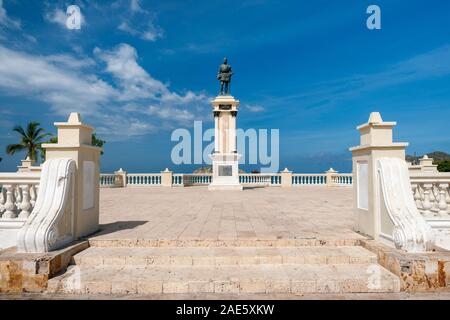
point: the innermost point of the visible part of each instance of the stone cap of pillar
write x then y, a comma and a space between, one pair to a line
377, 134
331, 170
286, 170
26, 164
426, 164
225, 103
73, 134
426, 161
120, 171
166, 171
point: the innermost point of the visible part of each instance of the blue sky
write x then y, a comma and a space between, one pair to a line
308, 68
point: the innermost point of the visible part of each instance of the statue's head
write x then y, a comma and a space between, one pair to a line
225, 61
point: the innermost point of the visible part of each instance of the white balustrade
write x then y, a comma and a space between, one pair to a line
197, 179
177, 180
18, 194
248, 179
107, 180
256, 179
143, 179
432, 194
308, 179
342, 179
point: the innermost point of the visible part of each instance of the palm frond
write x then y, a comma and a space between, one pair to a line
13, 148
31, 129
41, 137
20, 130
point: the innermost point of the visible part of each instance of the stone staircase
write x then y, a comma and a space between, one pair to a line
231, 270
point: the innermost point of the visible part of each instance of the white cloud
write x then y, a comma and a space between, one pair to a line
134, 104
6, 21
135, 6
70, 61
254, 107
63, 88
59, 16
137, 21
135, 82
150, 32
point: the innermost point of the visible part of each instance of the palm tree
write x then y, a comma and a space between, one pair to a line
31, 140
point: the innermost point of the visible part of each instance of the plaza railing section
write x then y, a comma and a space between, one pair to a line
18, 195
123, 179
19, 191
432, 196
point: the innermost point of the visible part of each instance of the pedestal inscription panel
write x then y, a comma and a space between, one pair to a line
363, 185
88, 184
225, 171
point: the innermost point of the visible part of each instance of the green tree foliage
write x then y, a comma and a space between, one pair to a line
444, 166
31, 139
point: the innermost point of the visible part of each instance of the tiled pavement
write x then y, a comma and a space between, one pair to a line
194, 213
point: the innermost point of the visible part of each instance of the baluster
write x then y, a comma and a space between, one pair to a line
442, 201
435, 197
417, 196
18, 197
447, 197
427, 205
25, 204
2, 200
10, 205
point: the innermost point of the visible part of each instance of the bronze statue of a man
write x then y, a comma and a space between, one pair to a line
224, 75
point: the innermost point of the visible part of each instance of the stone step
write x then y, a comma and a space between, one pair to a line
299, 242
254, 279
188, 256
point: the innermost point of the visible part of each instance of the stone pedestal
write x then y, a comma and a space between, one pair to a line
375, 143
26, 165
166, 178
120, 178
426, 165
75, 142
329, 174
225, 159
286, 178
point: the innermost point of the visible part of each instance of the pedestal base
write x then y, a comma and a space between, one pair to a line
225, 172
236, 187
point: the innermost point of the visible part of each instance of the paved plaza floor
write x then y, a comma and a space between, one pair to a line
194, 213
